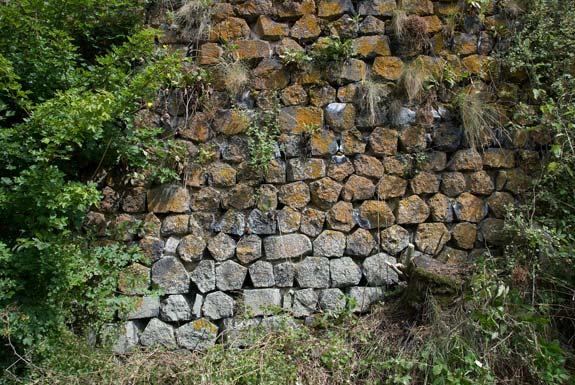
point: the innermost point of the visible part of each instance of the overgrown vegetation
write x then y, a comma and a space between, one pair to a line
263, 133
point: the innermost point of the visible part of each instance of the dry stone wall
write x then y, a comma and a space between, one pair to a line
351, 186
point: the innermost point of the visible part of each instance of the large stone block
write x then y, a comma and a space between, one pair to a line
168, 199
344, 272
258, 302
171, 276
313, 272
287, 246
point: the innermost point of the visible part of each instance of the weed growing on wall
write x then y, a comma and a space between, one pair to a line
263, 133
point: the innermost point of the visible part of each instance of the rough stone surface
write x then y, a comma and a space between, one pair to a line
313, 272
329, 244
230, 276
431, 237
412, 210
324, 192
344, 272
391, 186
158, 333
260, 222
222, 247
394, 239
340, 217
287, 246
375, 214
262, 274
146, 307
171, 276
365, 297
168, 199
176, 308
296, 195
464, 235
304, 302
288, 220
359, 243
249, 249
197, 335
378, 272
218, 305
332, 300
441, 208
358, 188
312, 222
204, 276
259, 302
284, 274
469, 208
191, 248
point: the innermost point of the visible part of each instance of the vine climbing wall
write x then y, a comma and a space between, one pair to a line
327, 138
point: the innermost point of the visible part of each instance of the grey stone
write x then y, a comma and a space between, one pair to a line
313, 272
171, 276
360, 243
222, 247
262, 274
146, 307
332, 300
344, 272
197, 309
191, 248
284, 274
312, 222
230, 276
176, 308
175, 225
249, 249
125, 338
405, 117
260, 222
241, 333
197, 335
259, 302
304, 303
364, 297
287, 246
377, 271
329, 244
171, 246
232, 222
394, 239
152, 248
218, 305
204, 276
158, 333
168, 199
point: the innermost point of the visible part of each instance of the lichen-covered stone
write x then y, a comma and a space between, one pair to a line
481, 183
134, 201
340, 167
262, 274
441, 208
284, 274
296, 119
306, 28
249, 249
388, 67
377, 7
268, 29
207, 199
151, 248
351, 70
452, 256
171, 276
324, 192
368, 166
431, 237
465, 44
175, 225
367, 47
210, 53
323, 143
375, 214
434, 161
397, 165
295, 195
332, 300
492, 232
312, 221
171, 246
360, 243
158, 333
134, 279
168, 199
204, 276
340, 217
383, 141
288, 220
352, 142
348, 93
145, 307
453, 183
425, 183
340, 116
221, 175
191, 248
251, 49
270, 74
176, 308
287, 246
197, 335
260, 222
391, 186
394, 239
331, 9
499, 203
469, 208
322, 96
344, 272
218, 305
231, 28
377, 270
358, 188
313, 272
412, 210
329, 244
240, 197
464, 235
466, 160
258, 302
305, 169
222, 247
365, 297
276, 172
498, 158
413, 139
232, 222
230, 276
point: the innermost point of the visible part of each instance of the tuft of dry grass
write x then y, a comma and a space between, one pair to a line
236, 76
195, 19
372, 93
398, 19
413, 79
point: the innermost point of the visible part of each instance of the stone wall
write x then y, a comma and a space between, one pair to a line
351, 185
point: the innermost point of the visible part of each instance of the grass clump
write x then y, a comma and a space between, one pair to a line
414, 77
372, 93
195, 19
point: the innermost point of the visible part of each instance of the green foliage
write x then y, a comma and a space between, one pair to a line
330, 50
295, 58
263, 133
